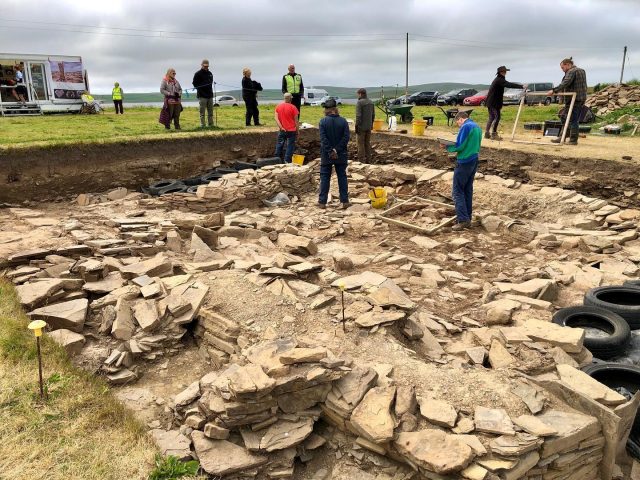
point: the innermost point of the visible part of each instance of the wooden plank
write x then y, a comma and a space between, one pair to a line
566, 124
515, 124
444, 223
400, 223
574, 232
395, 207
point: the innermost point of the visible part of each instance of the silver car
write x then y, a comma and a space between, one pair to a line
225, 100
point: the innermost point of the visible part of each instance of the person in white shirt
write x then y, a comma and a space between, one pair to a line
20, 92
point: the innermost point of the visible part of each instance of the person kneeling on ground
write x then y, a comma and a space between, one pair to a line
88, 99
334, 138
467, 147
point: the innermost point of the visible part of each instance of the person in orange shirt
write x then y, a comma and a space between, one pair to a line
286, 116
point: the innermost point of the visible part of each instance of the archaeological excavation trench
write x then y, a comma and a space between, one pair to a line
220, 320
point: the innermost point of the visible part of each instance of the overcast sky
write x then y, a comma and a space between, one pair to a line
347, 43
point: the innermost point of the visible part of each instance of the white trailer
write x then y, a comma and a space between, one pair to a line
54, 83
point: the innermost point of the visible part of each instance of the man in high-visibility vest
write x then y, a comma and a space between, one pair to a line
116, 96
292, 83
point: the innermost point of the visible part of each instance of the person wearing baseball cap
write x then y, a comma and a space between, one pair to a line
334, 138
494, 101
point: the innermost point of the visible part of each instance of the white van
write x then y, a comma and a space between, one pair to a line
313, 95
54, 83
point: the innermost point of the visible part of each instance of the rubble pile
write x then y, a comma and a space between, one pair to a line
470, 305
238, 190
264, 410
614, 97
265, 404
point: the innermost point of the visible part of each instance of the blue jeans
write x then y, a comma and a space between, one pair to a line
574, 121
462, 192
325, 181
290, 139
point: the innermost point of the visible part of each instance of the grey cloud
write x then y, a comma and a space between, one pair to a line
473, 38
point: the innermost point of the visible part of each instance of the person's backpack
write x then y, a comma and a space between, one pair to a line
586, 114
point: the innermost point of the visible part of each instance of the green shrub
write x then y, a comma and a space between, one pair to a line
169, 468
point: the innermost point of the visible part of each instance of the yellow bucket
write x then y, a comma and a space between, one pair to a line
418, 127
378, 196
378, 124
297, 159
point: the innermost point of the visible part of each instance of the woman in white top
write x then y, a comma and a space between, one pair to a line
20, 92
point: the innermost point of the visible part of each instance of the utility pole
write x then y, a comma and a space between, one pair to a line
624, 57
406, 78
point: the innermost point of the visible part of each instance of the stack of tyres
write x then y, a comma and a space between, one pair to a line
262, 162
607, 334
166, 186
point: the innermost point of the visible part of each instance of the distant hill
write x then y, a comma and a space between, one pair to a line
343, 92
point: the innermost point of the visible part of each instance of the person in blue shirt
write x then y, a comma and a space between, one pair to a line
334, 138
467, 148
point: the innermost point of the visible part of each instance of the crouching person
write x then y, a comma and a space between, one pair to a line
334, 137
467, 147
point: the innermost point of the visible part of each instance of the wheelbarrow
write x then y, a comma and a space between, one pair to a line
403, 110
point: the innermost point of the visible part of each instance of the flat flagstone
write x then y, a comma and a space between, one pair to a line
67, 315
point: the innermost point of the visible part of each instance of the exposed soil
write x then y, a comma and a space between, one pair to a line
63, 172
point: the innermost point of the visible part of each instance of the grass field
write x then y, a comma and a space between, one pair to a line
137, 123
80, 431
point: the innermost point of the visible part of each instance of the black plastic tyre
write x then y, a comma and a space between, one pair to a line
632, 283
547, 102
154, 188
192, 189
605, 347
615, 375
210, 177
625, 301
584, 128
191, 181
177, 187
224, 171
244, 166
262, 162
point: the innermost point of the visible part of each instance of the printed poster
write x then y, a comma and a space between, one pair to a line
68, 79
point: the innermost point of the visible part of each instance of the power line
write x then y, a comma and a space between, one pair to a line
273, 37
162, 35
482, 44
169, 33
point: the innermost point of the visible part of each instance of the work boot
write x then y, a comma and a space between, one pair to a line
555, 140
487, 135
345, 205
461, 226
573, 136
322, 205
495, 136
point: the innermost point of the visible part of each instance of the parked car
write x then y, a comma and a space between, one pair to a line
512, 96
423, 98
479, 98
456, 97
312, 95
540, 87
398, 101
225, 100
322, 101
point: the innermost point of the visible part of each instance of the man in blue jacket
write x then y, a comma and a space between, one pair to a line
467, 147
334, 138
